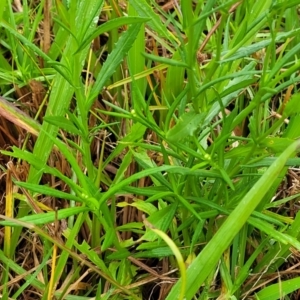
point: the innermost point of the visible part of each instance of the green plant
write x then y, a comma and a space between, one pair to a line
203, 119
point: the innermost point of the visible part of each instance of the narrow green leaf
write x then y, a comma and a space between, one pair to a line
62, 89
179, 170
167, 61
148, 208
49, 217
85, 249
109, 239
46, 190
62, 123
108, 26
144, 10
142, 158
56, 65
67, 152
63, 13
159, 252
22, 272
161, 219
113, 60
126, 161
293, 106
272, 232
135, 59
31, 278
283, 5
282, 61
248, 50
38, 164
276, 144
267, 161
186, 126
203, 265
279, 290
136, 133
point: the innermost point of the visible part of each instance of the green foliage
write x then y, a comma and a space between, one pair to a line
169, 150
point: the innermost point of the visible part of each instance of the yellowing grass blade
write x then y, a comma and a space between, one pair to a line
16, 116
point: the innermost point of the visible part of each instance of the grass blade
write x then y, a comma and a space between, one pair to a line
209, 257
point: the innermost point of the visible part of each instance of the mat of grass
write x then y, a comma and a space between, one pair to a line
149, 149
